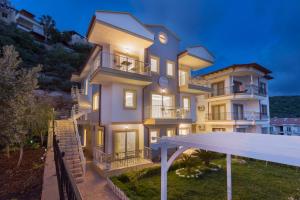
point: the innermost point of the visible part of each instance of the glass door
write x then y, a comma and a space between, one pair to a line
125, 144
162, 106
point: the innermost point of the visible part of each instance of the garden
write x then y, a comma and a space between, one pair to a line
202, 175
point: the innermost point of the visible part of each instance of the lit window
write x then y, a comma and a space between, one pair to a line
154, 62
83, 141
153, 135
86, 86
129, 99
96, 101
184, 131
186, 103
170, 68
171, 132
182, 77
99, 138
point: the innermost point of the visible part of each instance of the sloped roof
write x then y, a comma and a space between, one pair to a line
285, 121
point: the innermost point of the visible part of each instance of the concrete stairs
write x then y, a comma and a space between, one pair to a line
65, 133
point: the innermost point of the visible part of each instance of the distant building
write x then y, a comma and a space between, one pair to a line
7, 12
76, 38
285, 126
27, 22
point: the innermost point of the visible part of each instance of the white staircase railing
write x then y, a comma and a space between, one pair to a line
82, 158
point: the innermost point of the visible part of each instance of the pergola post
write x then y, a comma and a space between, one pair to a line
164, 171
229, 181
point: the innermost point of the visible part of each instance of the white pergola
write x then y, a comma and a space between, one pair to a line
273, 148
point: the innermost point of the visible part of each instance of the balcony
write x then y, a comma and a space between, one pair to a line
248, 91
240, 116
193, 85
114, 68
166, 115
119, 160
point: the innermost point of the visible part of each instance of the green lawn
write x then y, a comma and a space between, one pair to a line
253, 180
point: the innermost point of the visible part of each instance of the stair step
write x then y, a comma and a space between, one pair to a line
79, 180
76, 175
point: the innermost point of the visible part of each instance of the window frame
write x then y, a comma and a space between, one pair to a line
171, 129
97, 138
157, 135
158, 64
173, 68
189, 106
134, 107
95, 107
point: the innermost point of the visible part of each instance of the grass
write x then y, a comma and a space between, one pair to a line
254, 181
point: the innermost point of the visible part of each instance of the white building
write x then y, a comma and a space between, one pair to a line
136, 86
7, 12
285, 126
238, 101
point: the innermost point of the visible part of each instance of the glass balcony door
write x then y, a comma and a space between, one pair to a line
182, 78
125, 144
162, 106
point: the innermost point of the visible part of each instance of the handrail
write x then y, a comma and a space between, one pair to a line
247, 116
82, 158
238, 90
167, 112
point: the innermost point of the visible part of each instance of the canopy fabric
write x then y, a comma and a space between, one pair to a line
273, 148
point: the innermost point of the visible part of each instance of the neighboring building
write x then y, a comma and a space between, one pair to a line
7, 12
285, 126
76, 38
26, 21
238, 101
137, 87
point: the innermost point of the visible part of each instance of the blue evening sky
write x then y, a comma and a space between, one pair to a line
235, 31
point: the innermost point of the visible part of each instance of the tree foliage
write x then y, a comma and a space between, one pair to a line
205, 156
48, 24
285, 106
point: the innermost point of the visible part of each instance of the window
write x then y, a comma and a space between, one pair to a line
218, 112
218, 129
130, 99
153, 133
125, 143
238, 112
264, 130
184, 131
289, 129
186, 102
86, 86
218, 88
154, 62
241, 130
170, 69
262, 88
182, 77
171, 132
99, 138
264, 111
96, 101
162, 106
83, 138
5, 15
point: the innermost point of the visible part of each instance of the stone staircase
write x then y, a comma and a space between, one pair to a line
65, 133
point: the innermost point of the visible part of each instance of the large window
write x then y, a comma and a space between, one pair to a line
186, 102
170, 68
182, 77
96, 101
154, 63
184, 131
171, 132
238, 112
153, 135
162, 106
262, 88
219, 112
125, 143
218, 88
130, 99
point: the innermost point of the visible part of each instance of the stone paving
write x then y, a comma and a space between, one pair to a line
94, 186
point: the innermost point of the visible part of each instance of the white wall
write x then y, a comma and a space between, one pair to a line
193, 104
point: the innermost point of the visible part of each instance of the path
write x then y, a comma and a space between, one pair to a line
94, 186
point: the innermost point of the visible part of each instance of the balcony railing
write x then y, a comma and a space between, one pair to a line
246, 116
167, 112
238, 90
121, 159
184, 80
122, 63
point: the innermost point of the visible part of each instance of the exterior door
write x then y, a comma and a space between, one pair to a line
238, 111
162, 106
125, 144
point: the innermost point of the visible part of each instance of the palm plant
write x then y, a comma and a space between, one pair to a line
187, 161
205, 156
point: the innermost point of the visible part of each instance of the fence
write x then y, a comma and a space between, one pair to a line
66, 184
117, 191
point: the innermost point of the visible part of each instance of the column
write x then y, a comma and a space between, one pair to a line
164, 172
229, 181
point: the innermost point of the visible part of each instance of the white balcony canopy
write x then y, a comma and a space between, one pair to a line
196, 57
273, 148
121, 29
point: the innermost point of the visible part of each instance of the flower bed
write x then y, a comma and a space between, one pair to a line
196, 172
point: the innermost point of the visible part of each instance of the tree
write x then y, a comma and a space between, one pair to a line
16, 98
48, 24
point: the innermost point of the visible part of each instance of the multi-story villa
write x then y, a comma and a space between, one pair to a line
238, 101
136, 87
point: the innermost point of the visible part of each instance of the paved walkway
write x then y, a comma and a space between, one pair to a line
94, 186
50, 186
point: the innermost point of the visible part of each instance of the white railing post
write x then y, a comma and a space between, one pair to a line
229, 181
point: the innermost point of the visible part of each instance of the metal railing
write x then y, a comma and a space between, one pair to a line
167, 112
76, 92
247, 116
122, 63
238, 90
184, 80
79, 144
66, 183
121, 159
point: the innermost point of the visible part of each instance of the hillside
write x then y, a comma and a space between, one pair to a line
285, 106
58, 61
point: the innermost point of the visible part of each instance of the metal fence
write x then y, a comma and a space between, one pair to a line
66, 183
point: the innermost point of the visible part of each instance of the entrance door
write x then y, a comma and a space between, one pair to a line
219, 112
125, 144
